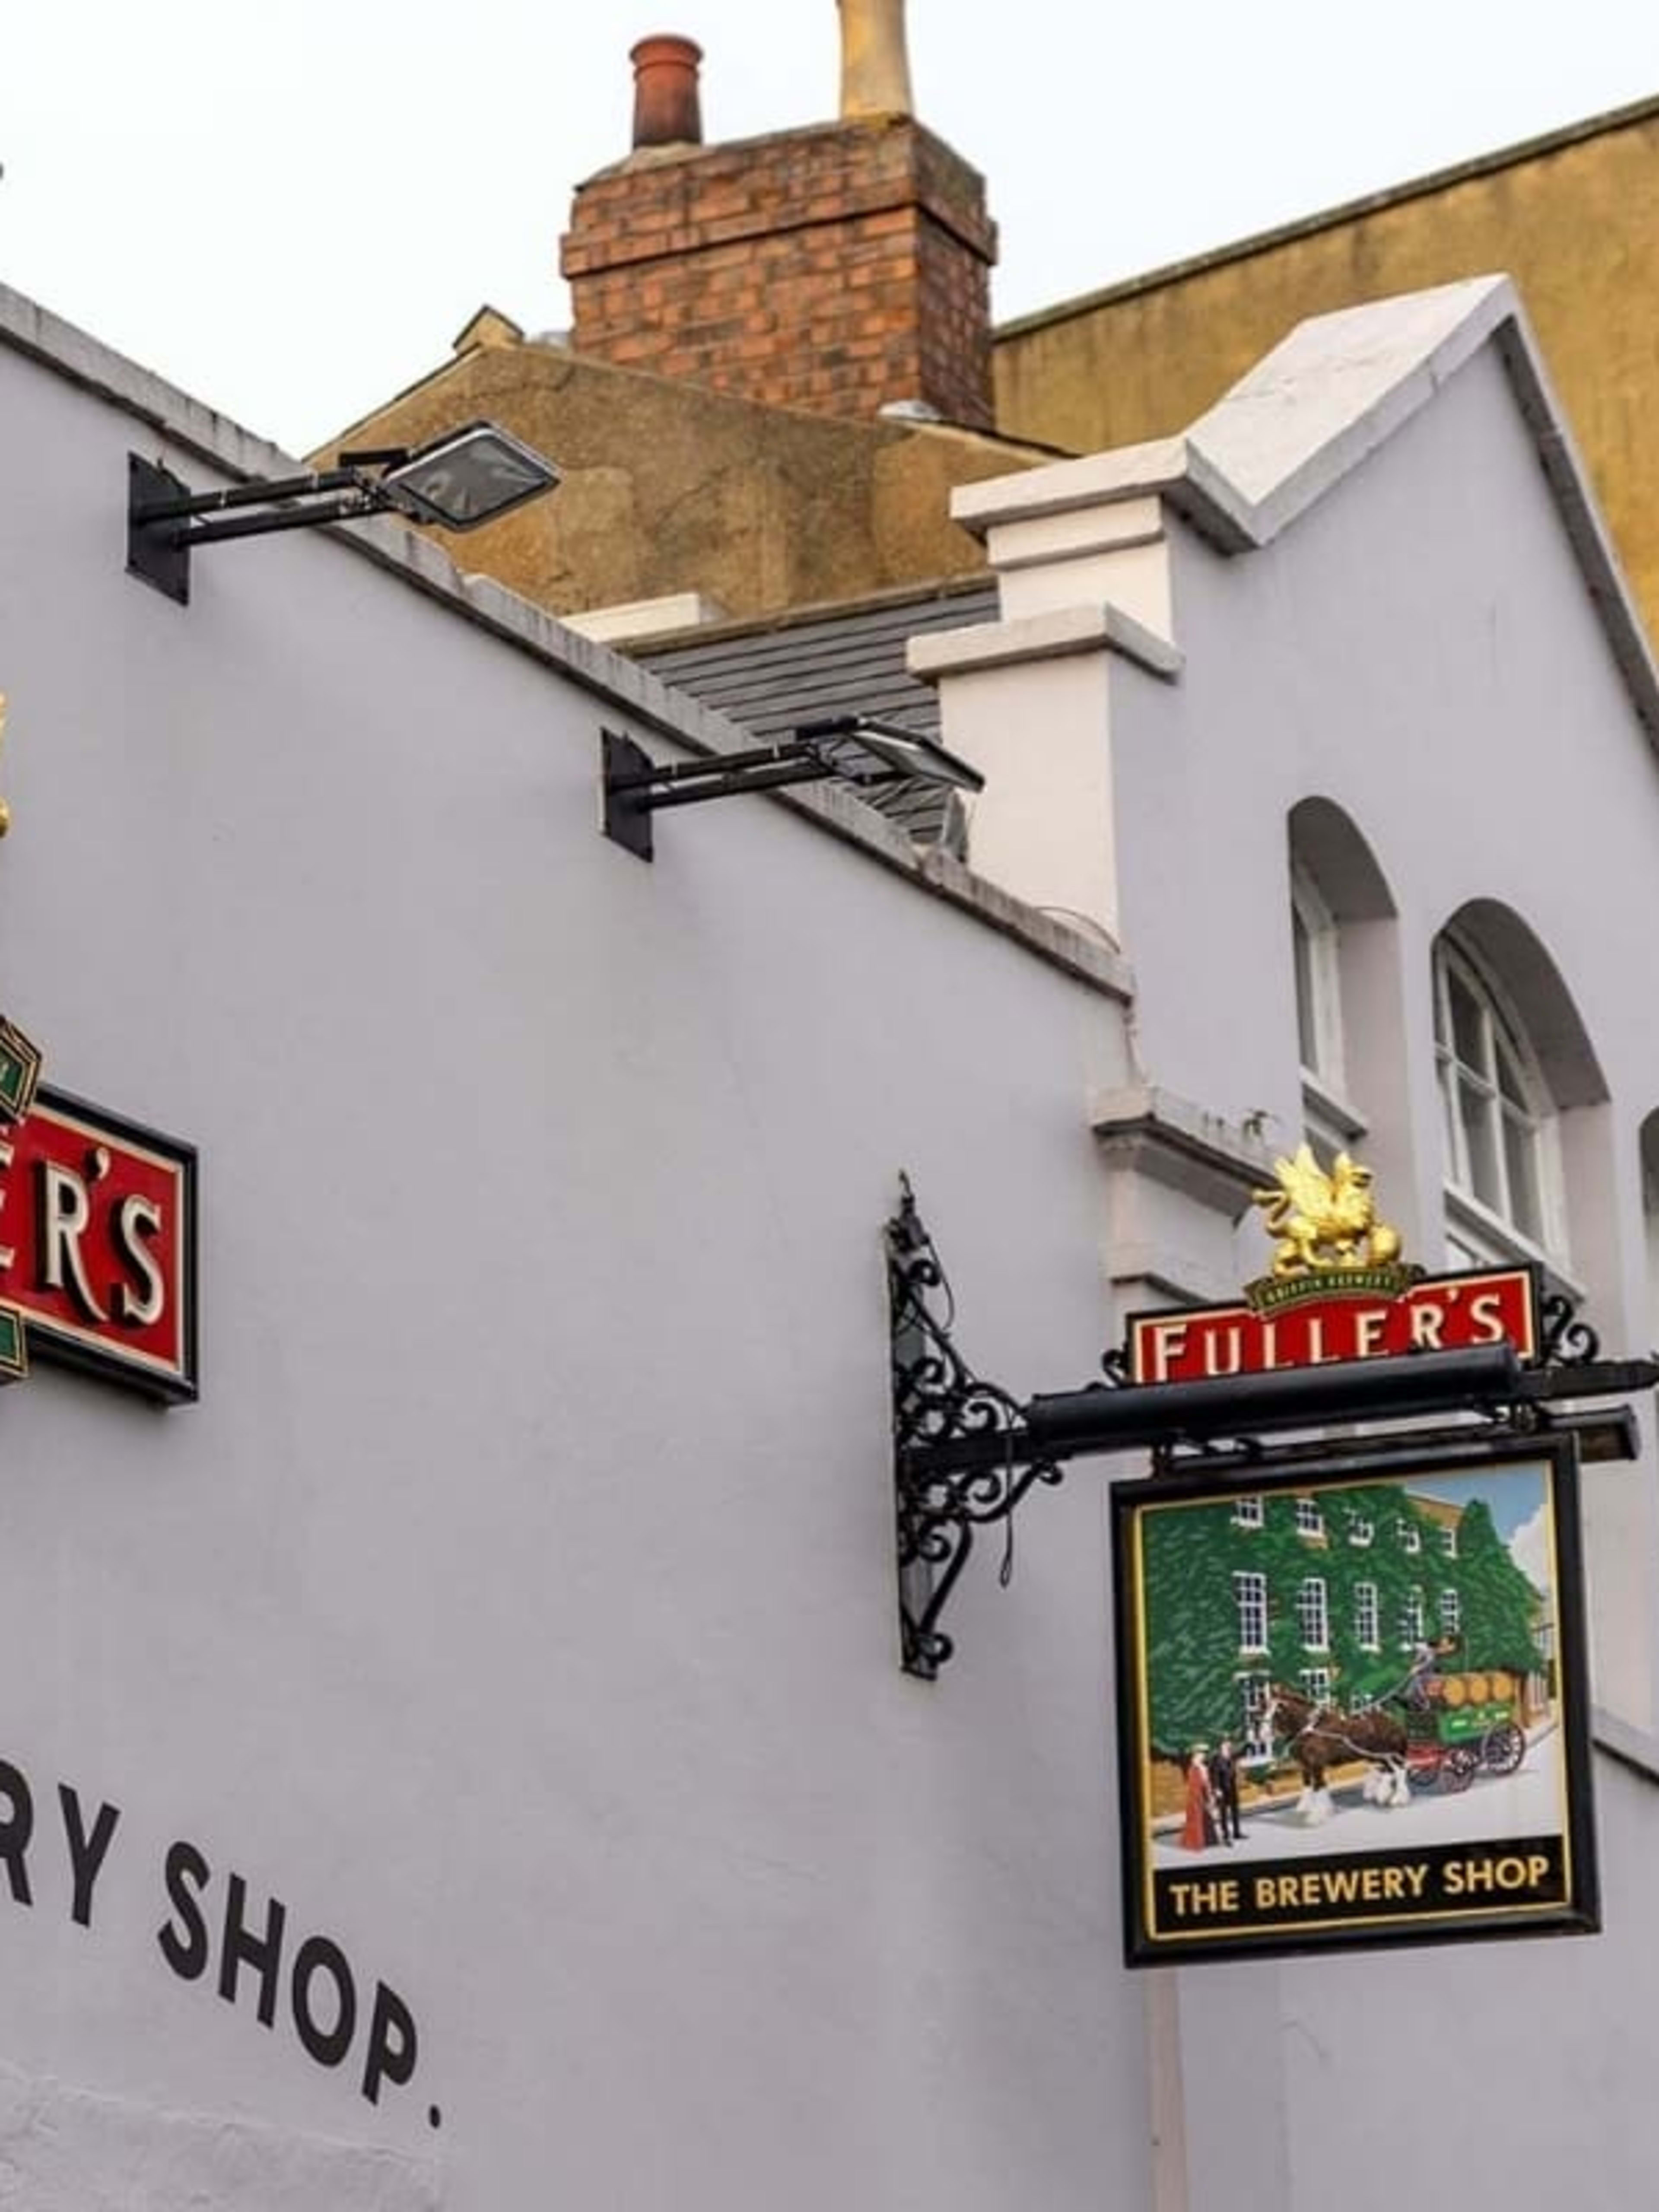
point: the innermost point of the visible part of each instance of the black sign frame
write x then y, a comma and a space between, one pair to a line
1256, 1902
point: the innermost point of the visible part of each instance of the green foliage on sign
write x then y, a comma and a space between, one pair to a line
1351, 1577
1500, 1606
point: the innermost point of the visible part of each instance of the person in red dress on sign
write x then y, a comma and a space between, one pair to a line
1197, 1830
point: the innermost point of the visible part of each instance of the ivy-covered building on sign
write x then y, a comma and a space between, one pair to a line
1331, 1592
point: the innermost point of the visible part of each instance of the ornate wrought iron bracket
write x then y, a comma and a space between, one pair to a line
966, 1452
939, 1403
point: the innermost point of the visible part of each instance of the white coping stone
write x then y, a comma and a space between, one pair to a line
1053, 635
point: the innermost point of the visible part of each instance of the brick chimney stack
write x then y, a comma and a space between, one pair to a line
840, 269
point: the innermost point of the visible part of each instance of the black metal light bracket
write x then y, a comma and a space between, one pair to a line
166, 519
461, 480
966, 1452
858, 749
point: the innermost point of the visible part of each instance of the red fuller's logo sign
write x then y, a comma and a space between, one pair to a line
97, 1236
1338, 1290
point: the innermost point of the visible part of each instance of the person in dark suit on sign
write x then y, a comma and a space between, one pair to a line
1223, 1784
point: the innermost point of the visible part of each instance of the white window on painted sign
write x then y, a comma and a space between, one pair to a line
1250, 1596
1253, 1690
1365, 1630
1312, 1614
1410, 1616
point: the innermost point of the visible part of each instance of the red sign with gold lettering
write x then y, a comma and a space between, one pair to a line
1317, 1321
98, 1243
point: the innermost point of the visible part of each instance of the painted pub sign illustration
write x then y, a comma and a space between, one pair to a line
1352, 1697
97, 1236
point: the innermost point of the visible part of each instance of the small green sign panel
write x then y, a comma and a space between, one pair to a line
20, 1072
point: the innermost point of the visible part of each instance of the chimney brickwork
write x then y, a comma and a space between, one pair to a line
836, 269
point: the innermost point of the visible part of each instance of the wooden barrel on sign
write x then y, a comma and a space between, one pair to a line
1453, 1689
1477, 1689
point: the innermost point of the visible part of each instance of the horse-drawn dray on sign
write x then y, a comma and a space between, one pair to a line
1456, 1727
1470, 1723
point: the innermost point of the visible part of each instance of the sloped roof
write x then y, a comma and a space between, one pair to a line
1311, 410
771, 677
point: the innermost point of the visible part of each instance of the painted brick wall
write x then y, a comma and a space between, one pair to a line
835, 269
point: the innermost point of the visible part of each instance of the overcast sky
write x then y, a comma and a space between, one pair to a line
290, 208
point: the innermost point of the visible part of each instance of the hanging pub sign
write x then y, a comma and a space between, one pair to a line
97, 1236
1352, 1700
1352, 1704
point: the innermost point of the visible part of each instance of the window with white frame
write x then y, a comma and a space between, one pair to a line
1496, 1115
1312, 1614
1330, 1123
1317, 1684
1310, 1521
1360, 1531
1247, 1512
1253, 1690
1410, 1616
1318, 1001
1448, 1538
1410, 1535
1250, 1596
1451, 1612
1365, 1630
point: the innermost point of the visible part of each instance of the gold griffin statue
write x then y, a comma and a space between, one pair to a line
1325, 1221
875, 74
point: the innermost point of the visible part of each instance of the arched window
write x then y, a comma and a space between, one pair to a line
1501, 1173
1348, 1023
1318, 985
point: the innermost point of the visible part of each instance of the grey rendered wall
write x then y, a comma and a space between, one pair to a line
517, 1605
1420, 649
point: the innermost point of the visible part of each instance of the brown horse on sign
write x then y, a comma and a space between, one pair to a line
1319, 1736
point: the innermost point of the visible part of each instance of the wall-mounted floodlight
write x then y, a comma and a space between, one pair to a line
857, 749
466, 477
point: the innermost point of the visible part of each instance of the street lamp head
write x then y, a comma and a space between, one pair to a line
467, 478
860, 749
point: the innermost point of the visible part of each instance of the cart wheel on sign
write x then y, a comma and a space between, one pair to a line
1504, 1749
1463, 1764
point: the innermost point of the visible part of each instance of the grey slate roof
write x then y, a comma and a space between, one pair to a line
772, 676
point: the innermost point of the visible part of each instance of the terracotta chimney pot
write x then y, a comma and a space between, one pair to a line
666, 108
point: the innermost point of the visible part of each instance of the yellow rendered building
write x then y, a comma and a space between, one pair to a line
1573, 217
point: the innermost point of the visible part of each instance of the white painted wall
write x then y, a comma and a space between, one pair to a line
517, 1604
1420, 649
